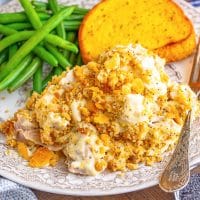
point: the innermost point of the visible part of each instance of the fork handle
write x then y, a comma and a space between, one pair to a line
177, 173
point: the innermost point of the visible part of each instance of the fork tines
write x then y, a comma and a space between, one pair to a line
195, 74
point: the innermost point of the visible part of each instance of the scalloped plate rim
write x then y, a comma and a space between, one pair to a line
117, 190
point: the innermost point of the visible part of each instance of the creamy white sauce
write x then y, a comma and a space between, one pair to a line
83, 151
133, 108
75, 105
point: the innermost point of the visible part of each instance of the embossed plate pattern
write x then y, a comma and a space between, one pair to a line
57, 179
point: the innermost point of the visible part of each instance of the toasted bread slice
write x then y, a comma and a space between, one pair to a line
179, 50
152, 23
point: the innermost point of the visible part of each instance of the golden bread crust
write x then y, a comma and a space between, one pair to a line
153, 24
179, 50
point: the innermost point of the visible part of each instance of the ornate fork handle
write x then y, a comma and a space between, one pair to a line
177, 173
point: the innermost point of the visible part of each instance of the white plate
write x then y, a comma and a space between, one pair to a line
57, 179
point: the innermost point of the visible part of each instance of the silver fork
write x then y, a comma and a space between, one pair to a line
177, 172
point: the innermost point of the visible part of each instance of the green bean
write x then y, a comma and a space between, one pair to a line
20, 26
61, 59
25, 75
15, 72
72, 27
47, 79
12, 50
31, 14
24, 35
14, 38
39, 4
37, 80
60, 29
43, 15
42, 53
74, 17
79, 10
79, 60
6, 30
3, 56
71, 17
53, 4
40, 9
72, 23
58, 41
2, 66
7, 18
32, 42
20, 17
68, 18
58, 71
72, 59
35, 21
39, 51
71, 36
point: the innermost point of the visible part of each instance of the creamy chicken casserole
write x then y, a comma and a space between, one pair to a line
114, 113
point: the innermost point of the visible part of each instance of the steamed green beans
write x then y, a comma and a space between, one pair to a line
60, 29
71, 36
6, 18
9, 18
58, 41
59, 56
3, 56
14, 38
45, 55
47, 79
39, 50
79, 60
27, 35
58, 71
68, 25
36, 23
33, 41
15, 72
20, 26
26, 74
31, 14
5, 30
38, 36
37, 80
12, 50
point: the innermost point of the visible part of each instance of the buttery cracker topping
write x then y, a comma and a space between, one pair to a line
116, 112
